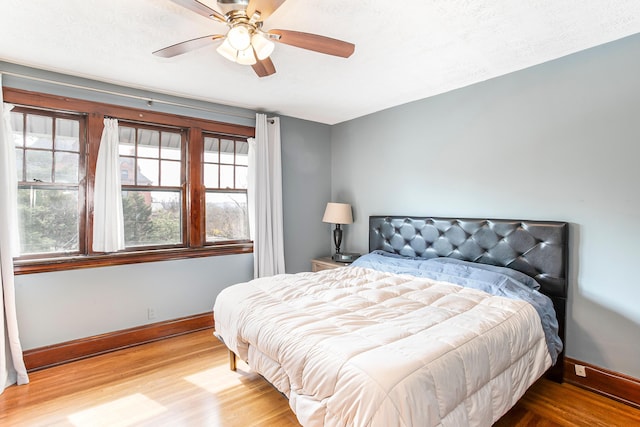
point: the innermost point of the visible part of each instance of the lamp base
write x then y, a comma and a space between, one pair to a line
345, 257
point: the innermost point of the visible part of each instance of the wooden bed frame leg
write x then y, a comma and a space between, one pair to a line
232, 360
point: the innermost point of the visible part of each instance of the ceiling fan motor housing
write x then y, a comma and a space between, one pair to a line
231, 5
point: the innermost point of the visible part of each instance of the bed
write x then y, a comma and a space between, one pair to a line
440, 324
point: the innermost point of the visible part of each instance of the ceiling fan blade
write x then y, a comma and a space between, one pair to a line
315, 42
187, 46
265, 7
201, 9
264, 68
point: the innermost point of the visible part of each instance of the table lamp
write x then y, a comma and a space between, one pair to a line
338, 214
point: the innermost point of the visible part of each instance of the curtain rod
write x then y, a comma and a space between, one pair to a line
126, 95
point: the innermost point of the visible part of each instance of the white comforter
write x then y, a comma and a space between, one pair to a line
358, 347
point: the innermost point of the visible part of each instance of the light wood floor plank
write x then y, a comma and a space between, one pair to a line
186, 381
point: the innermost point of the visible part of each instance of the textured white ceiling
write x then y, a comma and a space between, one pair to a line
405, 50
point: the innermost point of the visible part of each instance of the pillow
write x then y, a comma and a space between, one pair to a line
514, 274
392, 262
394, 255
387, 261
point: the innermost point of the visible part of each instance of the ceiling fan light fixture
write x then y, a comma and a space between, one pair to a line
246, 57
239, 37
245, 42
262, 46
226, 50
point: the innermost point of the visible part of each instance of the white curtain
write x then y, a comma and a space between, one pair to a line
108, 219
265, 198
12, 367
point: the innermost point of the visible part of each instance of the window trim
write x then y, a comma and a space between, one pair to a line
182, 188
82, 167
94, 113
44, 265
220, 189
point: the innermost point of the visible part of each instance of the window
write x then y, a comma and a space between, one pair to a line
50, 164
184, 183
226, 165
152, 192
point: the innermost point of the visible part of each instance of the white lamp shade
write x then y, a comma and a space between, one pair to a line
262, 46
338, 213
246, 57
239, 37
226, 50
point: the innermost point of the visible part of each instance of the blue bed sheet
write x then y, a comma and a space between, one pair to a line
498, 281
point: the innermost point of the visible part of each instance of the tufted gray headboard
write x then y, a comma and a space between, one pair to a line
536, 248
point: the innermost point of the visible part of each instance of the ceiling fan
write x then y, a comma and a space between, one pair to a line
246, 42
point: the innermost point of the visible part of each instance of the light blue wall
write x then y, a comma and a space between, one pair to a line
560, 141
306, 182
68, 305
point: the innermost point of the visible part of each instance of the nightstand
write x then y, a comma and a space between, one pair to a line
325, 263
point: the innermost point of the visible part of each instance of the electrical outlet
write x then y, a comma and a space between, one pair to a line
151, 313
580, 371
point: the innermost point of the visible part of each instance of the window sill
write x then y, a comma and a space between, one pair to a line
92, 261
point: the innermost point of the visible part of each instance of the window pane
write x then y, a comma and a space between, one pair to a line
152, 217
241, 176
66, 167
39, 129
211, 176
170, 148
226, 176
48, 220
242, 153
170, 173
226, 216
67, 135
19, 161
17, 125
147, 173
127, 139
227, 150
39, 165
127, 171
211, 147
148, 143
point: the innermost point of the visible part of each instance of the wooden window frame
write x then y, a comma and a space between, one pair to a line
184, 208
80, 186
220, 189
94, 113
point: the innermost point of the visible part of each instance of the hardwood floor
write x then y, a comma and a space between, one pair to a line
181, 381
548, 403
186, 381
